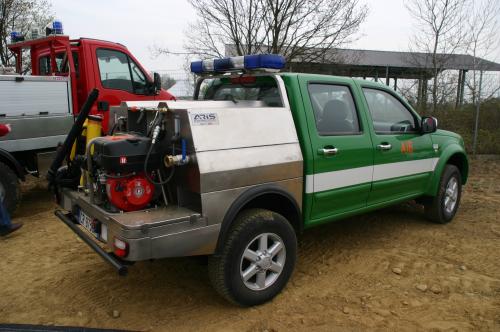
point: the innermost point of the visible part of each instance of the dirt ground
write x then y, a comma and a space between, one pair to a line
388, 270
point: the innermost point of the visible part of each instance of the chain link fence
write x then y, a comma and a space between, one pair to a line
178, 82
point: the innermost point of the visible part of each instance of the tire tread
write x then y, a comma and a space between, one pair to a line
217, 262
433, 210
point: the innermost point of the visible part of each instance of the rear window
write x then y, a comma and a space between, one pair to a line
44, 64
263, 90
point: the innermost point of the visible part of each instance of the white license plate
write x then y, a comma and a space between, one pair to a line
89, 223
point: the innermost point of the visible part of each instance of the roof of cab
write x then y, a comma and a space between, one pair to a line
96, 41
338, 78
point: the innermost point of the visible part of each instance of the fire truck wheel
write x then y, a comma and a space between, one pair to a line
443, 207
257, 259
10, 193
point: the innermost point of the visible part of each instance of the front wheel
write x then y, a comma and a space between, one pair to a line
443, 207
257, 259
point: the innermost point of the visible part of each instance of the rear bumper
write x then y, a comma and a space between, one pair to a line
112, 260
150, 234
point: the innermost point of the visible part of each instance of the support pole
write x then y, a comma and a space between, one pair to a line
419, 95
476, 125
462, 88
387, 75
424, 93
395, 83
459, 88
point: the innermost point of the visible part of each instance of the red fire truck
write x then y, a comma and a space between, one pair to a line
40, 107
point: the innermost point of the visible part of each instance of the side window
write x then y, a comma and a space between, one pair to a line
44, 65
389, 115
334, 109
114, 70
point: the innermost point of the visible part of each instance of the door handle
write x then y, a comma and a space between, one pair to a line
384, 146
328, 151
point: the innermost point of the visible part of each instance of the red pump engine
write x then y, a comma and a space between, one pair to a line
130, 193
119, 170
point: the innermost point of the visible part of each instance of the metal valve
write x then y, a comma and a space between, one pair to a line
176, 160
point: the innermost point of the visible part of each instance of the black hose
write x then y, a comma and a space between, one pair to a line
146, 173
157, 121
75, 131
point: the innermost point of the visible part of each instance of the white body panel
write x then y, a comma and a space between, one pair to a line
39, 110
34, 95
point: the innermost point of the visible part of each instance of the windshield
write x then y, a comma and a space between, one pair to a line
262, 89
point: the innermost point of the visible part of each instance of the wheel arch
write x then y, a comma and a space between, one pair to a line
268, 197
8, 159
459, 160
452, 155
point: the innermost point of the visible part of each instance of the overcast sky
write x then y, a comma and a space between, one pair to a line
141, 24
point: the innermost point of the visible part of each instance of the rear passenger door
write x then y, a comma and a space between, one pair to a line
342, 148
404, 158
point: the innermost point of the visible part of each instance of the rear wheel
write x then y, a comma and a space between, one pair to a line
10, 193
257, 260
443, 207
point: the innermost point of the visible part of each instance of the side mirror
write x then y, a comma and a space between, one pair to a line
428, 125
157, 83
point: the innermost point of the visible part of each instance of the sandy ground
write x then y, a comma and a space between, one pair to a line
390, 269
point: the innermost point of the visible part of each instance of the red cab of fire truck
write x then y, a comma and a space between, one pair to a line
41, 106
92, 63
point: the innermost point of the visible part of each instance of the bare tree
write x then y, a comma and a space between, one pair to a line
440, 32
482, 28
297, 29
21, 16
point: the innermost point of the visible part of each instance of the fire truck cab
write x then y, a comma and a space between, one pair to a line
41, 106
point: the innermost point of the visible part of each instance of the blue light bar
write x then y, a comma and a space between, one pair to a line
266, 62
16, 36
54, 28
270, 61
57, 27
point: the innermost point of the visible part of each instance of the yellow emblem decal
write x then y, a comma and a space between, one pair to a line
407, 147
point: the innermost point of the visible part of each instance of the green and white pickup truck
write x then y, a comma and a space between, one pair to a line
257, 157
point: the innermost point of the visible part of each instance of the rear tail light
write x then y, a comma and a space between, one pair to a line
121, 247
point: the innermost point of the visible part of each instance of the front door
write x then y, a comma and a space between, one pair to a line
119, 79
342, 149
404, 158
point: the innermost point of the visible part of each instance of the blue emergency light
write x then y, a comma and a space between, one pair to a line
269, 62
16, 36
54, 28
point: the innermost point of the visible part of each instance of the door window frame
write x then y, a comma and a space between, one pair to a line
356, 109
129, 59
415, 116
